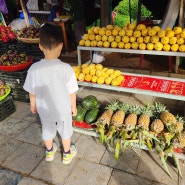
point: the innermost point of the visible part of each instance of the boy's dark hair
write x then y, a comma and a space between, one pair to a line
50, 36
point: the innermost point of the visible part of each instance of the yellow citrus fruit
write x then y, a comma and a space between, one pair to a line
92, 37
96, 30
106, 44
88, 77
110, 38
147, 39
180, 41
115, 32
182, 48
101, 80
108, 32
115, 82
98, 37
161, 33
84, 65
157, 28
92, 72
121, 45
174, 47
154, 39
90, 31
150, 46
85, 70
82, 42
104, 38
81, 77
110, 27
144, 32
170, 33
108, 80
93, 43
125, 39
110, 71
114, 44
118, 38
142, 46
165, 40
99, 66
137, 33
158, 46
132, 26
140, 40
132, 39
140, 27
129, 33
177, 30
120, 78
127, 45
100, 43
152, 32
121, 32
86, 37
94, 79
92, 66
173, 40
183, 34
166, 47
134, 45
87, 43
101, 31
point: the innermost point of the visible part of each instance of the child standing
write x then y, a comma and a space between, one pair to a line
52, 88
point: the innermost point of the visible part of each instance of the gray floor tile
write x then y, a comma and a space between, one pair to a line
32, 135
8, 145
13, 127
128, 162
86, 172
54, 172
122, 178
151, 167
90, 148
25, 158
9, 178
29, 181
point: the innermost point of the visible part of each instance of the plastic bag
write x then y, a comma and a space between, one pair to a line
97, 57
32, 5
3, 7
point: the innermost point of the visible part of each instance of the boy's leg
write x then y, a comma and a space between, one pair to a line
51, 148
69, 151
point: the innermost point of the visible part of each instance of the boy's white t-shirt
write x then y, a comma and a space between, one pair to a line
52, 81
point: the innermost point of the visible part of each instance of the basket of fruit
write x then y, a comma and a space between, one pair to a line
4, 90
14, 61
29, 35
7, 34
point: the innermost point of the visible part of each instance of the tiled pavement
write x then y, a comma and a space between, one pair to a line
22, 153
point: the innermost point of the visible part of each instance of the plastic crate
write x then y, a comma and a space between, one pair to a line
12, 45
16, 80
7, 107
34, 51
13, 78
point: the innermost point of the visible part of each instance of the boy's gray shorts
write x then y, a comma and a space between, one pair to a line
64, 128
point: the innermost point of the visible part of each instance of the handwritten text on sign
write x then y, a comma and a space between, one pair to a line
154, 84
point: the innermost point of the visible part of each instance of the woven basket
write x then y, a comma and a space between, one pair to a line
27, 40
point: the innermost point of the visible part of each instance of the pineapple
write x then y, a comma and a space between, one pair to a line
131, 120
179, 140
157, 109
157, 126
117, 120
167, 118
144, 118
105, 119
179, 124
119, 115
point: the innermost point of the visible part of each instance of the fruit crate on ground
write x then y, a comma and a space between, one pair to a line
12, 45
33, 50
7, 107
16, 80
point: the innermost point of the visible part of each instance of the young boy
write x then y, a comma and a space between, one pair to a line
52, 88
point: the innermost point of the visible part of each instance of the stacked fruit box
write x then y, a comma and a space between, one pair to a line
16, 80
6, 107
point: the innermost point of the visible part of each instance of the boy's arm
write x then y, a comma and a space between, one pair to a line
73, 104
33, 103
